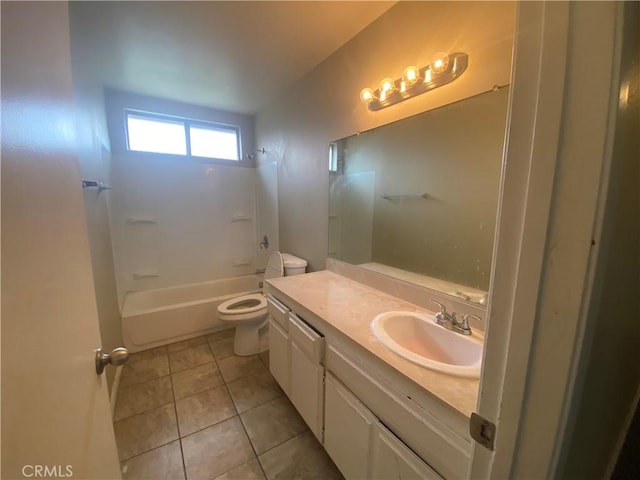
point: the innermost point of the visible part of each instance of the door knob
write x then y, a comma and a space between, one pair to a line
117, 357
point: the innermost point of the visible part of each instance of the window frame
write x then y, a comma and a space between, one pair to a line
187, 123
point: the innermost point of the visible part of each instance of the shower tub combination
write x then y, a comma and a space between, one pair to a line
151, 318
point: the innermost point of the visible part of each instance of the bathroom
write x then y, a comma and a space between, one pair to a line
151, 230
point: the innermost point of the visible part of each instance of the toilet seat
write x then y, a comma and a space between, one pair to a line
243, 308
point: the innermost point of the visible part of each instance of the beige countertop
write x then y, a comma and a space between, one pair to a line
349, 307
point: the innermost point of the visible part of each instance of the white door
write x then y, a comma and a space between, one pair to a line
548, 231
56, 420
307, 374
279, 355
349, 429
393, 459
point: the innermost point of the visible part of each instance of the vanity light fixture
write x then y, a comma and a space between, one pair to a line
414, 81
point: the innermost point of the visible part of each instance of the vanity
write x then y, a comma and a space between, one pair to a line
377, 414
412, 213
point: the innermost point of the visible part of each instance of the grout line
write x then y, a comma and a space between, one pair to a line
175, 408
188, 346
226, 384
135, 360
288, 439
147, 451
251, 443
142, 383
142, 413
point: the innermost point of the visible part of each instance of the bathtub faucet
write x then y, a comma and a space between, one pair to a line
260, 271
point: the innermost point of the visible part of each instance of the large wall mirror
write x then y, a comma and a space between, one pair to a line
417, 199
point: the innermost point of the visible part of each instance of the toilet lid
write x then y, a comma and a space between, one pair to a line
275, 266
244, 304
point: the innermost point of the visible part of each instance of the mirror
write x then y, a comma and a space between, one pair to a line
417, 199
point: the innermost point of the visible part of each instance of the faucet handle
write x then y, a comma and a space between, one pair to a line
443, 309
464, 324
441, 317
465, 317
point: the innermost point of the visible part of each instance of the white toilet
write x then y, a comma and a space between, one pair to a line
248, 313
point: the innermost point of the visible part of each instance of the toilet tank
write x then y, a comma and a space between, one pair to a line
293, 265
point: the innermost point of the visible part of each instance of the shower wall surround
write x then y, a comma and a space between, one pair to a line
177, 222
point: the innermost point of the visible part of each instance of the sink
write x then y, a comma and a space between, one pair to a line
416, 337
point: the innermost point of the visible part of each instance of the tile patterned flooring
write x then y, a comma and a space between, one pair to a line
194, 410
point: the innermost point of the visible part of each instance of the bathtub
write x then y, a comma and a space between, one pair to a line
151, 318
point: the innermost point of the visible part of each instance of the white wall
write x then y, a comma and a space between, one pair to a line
94, 155
267, 210
324, 106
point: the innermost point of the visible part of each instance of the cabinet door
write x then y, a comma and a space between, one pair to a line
307, 389
279, 355
393, 459
349, 430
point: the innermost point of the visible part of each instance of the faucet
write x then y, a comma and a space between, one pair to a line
450, 322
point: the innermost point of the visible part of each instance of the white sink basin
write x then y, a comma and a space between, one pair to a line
416, 337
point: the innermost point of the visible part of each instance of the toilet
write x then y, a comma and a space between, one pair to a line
248, 313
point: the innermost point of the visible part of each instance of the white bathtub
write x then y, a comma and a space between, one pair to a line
151, 318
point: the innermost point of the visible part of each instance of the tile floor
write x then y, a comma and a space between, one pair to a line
194, 410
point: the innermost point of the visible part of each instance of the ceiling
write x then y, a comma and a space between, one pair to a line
234, 56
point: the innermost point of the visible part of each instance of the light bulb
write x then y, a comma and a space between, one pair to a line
411, 75
366, 95
440, 63
387, 86
427, 75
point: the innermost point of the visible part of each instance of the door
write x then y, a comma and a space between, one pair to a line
393, 459
307, 374
549, 225
279, 355
349, 429
56, 420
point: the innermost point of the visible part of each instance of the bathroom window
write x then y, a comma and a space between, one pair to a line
147, 132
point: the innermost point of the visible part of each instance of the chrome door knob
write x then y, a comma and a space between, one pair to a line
117, 357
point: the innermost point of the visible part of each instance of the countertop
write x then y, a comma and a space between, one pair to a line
349, 307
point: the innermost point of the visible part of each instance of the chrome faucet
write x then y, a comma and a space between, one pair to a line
450, 322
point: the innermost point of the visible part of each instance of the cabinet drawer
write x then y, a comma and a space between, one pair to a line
309, 341
278, 311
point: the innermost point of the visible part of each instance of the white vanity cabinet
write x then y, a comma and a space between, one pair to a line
307, 373
360, 445
279, 350
374, 422
349, 430
296, 352
409, 428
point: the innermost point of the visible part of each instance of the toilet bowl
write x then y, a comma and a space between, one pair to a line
248, 313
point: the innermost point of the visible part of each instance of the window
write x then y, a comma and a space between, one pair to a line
333, 157
153, 133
